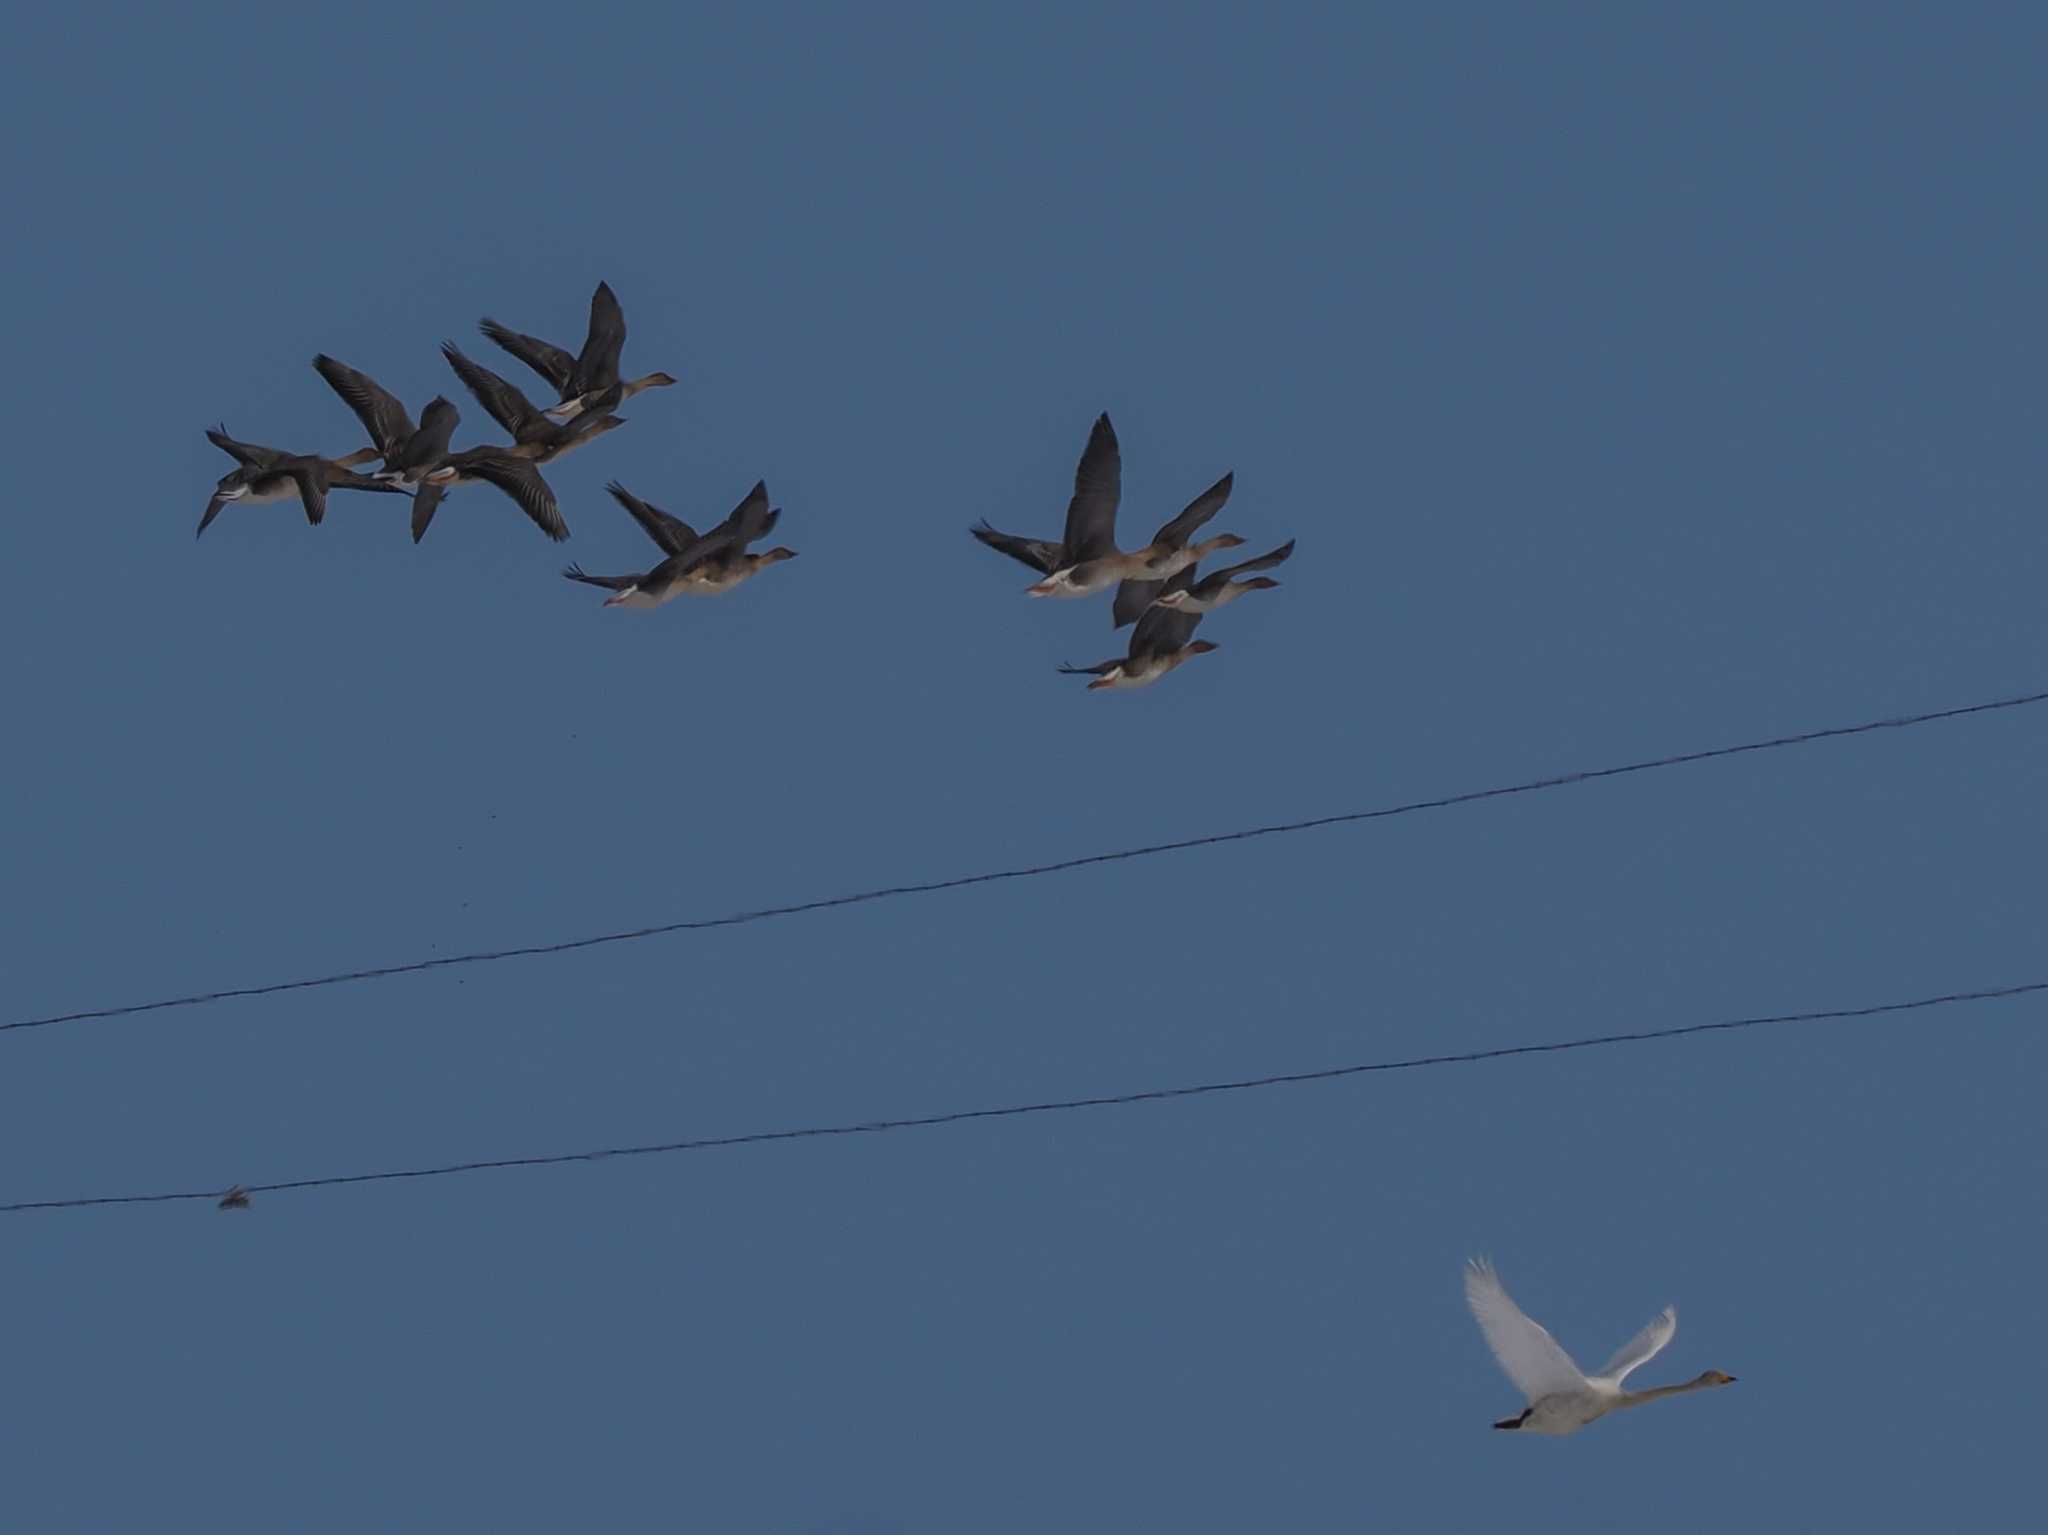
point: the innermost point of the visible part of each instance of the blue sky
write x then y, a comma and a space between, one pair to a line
1632, 383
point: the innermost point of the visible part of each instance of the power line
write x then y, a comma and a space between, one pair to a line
1027, 871
1057, 1106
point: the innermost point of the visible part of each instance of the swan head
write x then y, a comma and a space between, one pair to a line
1715, 1378
1260, 584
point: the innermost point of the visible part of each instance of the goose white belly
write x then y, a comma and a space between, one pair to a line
1083, 580
1228, 595
638, 597
278, 488
1123, 679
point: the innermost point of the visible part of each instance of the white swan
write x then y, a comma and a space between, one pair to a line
1562, 1397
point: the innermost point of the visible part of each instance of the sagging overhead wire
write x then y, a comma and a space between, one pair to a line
240, 1195
1027, 871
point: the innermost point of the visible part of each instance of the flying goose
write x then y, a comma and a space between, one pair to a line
1091, 514
1169, 553
1218, 589
1086, 560
534, 436
576, 379
697, 565
409, 452
1159, 643
263, 475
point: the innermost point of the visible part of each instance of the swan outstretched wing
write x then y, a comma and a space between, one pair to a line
1529, 1356
1643, 1347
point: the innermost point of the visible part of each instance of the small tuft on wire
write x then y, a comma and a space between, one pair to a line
1055, 1106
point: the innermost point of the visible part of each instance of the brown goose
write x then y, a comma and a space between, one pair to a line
408, 451
1170, 553
1159, 643
1086, 560
263, 475
1091, 514
589, 373
534, 436
1219, 589
697, 565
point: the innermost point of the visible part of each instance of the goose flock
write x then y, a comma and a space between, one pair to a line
1159, 593
1156, 590
419, 459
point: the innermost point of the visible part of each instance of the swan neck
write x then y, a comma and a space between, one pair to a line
1637, 1398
